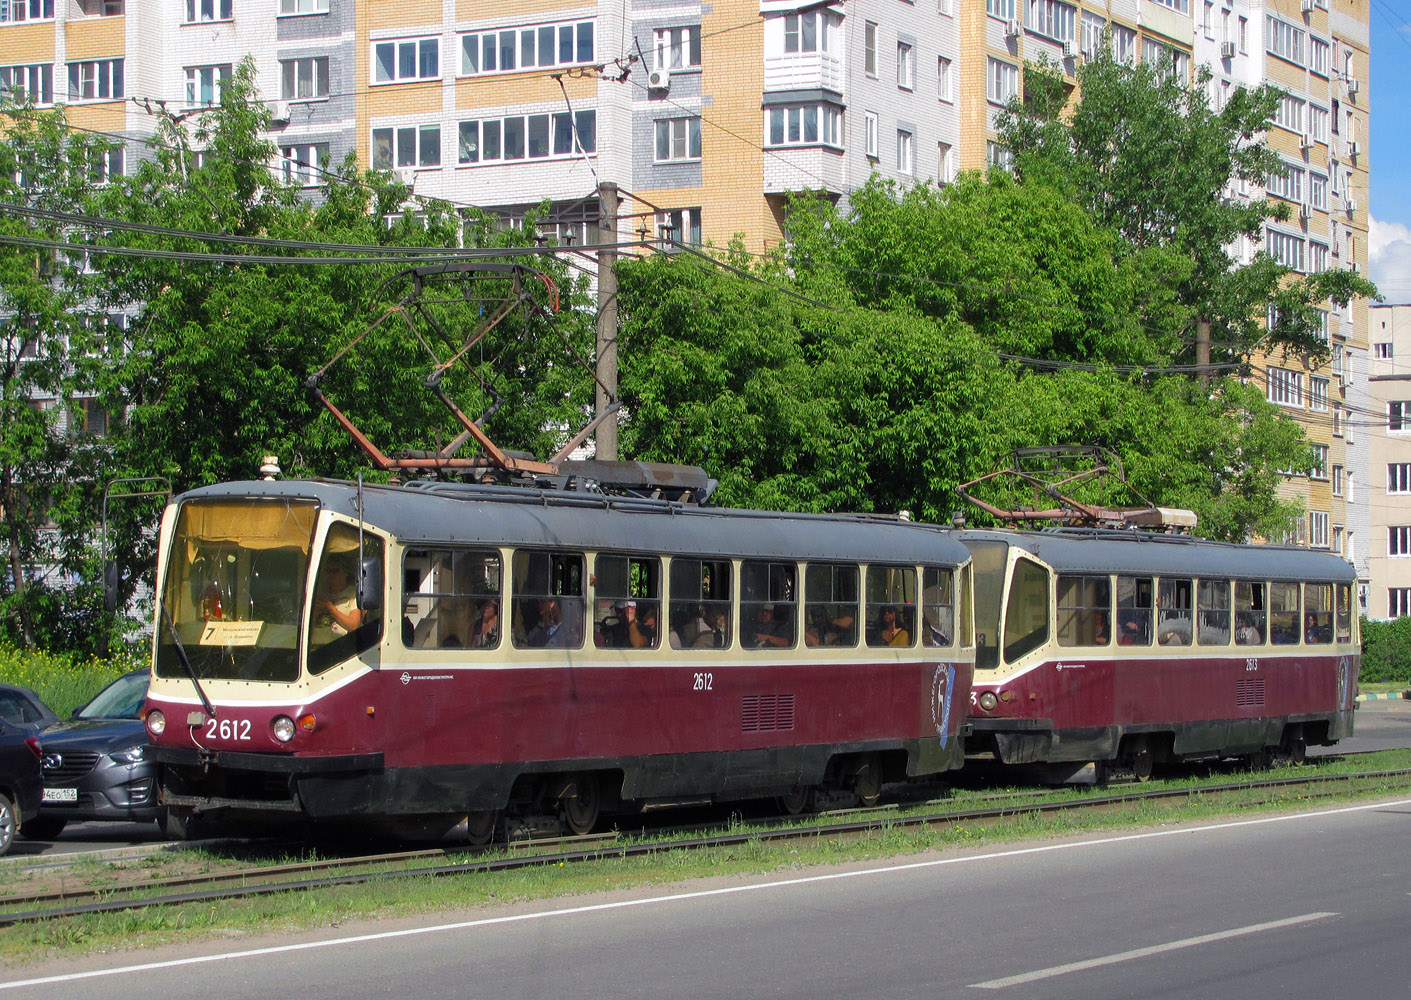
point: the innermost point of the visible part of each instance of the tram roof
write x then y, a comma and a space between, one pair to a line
1077, 550
456, 513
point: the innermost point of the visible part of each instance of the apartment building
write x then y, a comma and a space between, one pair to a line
1388, 491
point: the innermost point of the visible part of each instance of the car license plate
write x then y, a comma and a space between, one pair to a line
61, 795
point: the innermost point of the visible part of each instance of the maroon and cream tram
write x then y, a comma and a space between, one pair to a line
435, 652
1129, 649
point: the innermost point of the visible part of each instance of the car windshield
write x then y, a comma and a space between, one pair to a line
121, 699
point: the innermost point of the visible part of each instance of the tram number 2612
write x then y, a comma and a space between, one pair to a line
703, 682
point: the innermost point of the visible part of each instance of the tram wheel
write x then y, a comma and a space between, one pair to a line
1297, 750
1259, 760
800, 800
582, 808
480, 827
1141, 760
867, 782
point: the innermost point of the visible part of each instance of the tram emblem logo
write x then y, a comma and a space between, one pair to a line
942, 684
406, 677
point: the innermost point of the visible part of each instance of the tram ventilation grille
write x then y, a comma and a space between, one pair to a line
1249, 693
767, 713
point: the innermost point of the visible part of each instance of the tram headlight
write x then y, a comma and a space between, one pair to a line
988, 701
283, 728
156, 722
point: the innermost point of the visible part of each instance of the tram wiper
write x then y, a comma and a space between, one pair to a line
186, 661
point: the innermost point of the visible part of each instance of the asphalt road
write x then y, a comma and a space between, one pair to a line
1309, 905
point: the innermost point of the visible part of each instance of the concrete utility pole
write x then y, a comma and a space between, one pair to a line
1202, 349
606, 434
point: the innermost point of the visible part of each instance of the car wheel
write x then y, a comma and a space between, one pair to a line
43, 827
7, 823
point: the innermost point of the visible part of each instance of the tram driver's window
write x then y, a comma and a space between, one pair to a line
891, 605
1250, 613
768, 602
1134, 607
830, 605
627, 602
548, 600
1174, 624
937, 606
1026, 610
341, 627
1283, 614
700, 603
1084, 610
1317, 613
1212, 612
1344, 612
451, 598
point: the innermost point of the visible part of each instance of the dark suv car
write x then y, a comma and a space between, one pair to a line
95, 764
20, 784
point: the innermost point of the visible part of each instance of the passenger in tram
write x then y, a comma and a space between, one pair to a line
825, 631
1132, 630
551, 630
338, 602
694, 631
1246, 632
642, 628
1313, 632
486, 632
1100, 636
890, 628
771, 631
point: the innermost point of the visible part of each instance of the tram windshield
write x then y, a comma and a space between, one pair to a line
234, 586
989, 564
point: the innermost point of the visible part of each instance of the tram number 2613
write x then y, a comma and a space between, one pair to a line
703, 682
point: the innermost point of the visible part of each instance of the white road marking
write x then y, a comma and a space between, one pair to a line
1156, 949
701, 894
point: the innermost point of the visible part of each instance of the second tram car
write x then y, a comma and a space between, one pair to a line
436, 652
1130, 649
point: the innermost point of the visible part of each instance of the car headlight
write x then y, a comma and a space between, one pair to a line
132, 755
283, 728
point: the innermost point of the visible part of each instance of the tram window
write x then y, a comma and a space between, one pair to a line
700, 603
341, 628
627, 592
1317, 613
891, 605
1134, 607
967, 604
988, 568
830, 605
937, 606
768, 600
1344, 612
1026, 611
1213, 612
451, 598
1250, 613
1283, 614
1084, 610
548, 599
1173, 622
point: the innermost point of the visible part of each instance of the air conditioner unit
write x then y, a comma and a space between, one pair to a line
1306, 6
1356, 267
1353, 85
1351, 205
659, 78
407, 176
1305, 141
1304, 212
279, 113
1067, 50
1227, 50
1353, 147
1013, 28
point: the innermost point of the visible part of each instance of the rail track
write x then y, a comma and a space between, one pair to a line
316, 874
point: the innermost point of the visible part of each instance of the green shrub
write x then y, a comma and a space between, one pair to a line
64, 681
1386, 650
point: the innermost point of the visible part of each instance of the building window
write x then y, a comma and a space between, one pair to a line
1003, 81
1285, 41
998, 157
806, 125
945, 163
28, 83
1094, 28
810, 31
303, 6
1000, 8
205, 83
1399, 477
870, 133
1318, 190
1051, 18
1382, 352
1318, 122
99, 80
678, 139
906, 66
1398, 602
678, 48
1318, 394
945, 79
1337, 480
1287, 185
207, 10
14, 11
1317, 256
519, 137
682, 225
410, 146
303, 165
1399, 415
408, 59
906, 152
1320, 462
304, 79
1124, 45
869, 48
1318, 529
109, 164
1287, 250
1285, 387
1318, 55
1178, 5
1289, 113
1399, 540
510, 50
